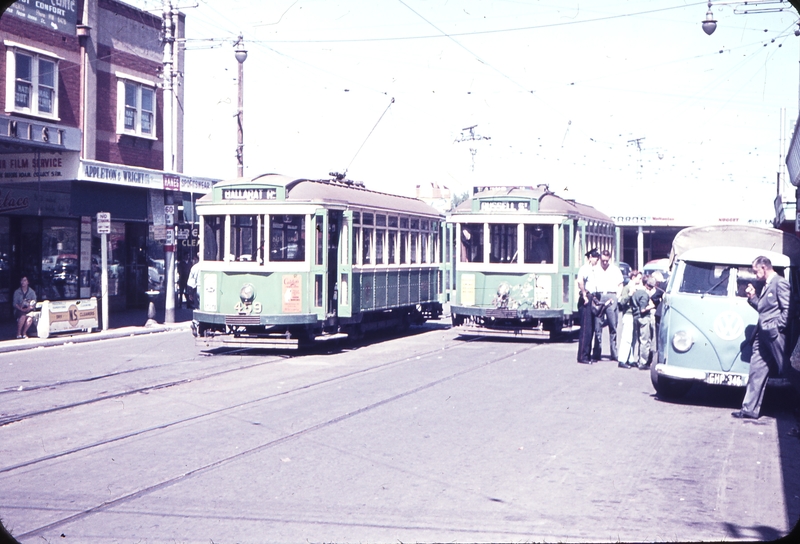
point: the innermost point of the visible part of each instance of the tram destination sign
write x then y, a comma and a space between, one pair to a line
504, 206
249, 194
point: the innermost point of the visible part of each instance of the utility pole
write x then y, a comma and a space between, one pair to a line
169, 156
241, 56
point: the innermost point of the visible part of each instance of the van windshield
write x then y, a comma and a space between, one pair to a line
706, 278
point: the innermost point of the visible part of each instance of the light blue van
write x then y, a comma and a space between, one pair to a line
707, 324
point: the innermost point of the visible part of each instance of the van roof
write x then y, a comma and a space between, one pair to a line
732, 255
760, 240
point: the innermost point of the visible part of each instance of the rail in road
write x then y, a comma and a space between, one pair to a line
426, 437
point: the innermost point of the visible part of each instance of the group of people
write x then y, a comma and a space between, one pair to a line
606, 301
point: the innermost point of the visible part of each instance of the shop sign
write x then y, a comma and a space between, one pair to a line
172, 182
141, 177
24, 201
58, 15
37, 167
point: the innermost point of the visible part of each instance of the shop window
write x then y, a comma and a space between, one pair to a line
287, 238
539, 244
472, 243
503, 244
213, 237
136, 107
243, 238
33, 78
60, 259
116, 263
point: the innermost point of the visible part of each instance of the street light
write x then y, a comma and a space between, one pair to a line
241, 56
709, 25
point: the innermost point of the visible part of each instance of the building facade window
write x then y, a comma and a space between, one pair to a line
31, 82
136, 106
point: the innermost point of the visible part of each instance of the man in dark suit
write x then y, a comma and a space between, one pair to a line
769, 340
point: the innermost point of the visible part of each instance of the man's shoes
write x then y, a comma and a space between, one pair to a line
741, 414
584, 361
624, 365
19, 336
644, 367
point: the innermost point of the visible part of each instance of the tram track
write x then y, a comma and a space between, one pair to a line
213, 465
141, 432
5, 420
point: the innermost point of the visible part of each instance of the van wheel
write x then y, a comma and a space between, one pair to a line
668, 388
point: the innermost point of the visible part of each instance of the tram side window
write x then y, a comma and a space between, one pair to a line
243, 237
287, 238
472, 243
403, 247
503, 248
380, 236
366, 245
213, 237
392, 247
539, 244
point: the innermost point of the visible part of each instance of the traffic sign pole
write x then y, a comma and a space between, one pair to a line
104, 228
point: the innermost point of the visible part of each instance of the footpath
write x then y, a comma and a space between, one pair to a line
120, 324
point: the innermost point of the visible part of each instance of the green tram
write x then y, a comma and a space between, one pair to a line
517, 254
286, 262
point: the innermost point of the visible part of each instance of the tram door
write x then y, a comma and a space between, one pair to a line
345, 265
334, 222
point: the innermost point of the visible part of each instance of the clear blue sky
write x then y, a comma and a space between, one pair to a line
564, 92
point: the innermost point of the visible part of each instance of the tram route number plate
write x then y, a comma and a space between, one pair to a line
720, 378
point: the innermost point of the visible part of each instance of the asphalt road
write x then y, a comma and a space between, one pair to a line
413, 439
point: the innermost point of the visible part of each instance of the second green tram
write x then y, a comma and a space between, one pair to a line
518, 250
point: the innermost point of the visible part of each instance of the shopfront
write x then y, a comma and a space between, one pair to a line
48, 227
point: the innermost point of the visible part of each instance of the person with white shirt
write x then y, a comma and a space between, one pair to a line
608, 284
586, 288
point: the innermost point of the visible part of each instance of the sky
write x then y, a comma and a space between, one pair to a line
627, 106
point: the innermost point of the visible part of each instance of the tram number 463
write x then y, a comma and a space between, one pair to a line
248, 309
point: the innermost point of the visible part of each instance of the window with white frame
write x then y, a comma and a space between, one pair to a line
136, 107
31, 81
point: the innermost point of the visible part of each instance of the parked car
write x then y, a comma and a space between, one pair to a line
626, 271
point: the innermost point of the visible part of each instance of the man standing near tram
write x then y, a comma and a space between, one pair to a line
608, 284
586, 289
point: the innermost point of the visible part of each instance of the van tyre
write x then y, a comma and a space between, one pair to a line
668, 388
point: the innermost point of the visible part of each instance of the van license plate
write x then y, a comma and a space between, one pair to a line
719, 378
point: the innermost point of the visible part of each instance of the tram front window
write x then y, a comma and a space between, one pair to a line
213, 238
243, 238
287, 238
503, 247
538, 244
472, 243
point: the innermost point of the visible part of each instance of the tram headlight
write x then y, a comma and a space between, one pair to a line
682, 341
247, 293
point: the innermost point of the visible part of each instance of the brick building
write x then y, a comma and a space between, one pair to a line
81, 131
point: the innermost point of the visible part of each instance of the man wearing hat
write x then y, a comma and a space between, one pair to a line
586, 288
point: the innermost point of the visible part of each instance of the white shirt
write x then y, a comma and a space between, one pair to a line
587, 275
608, 280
